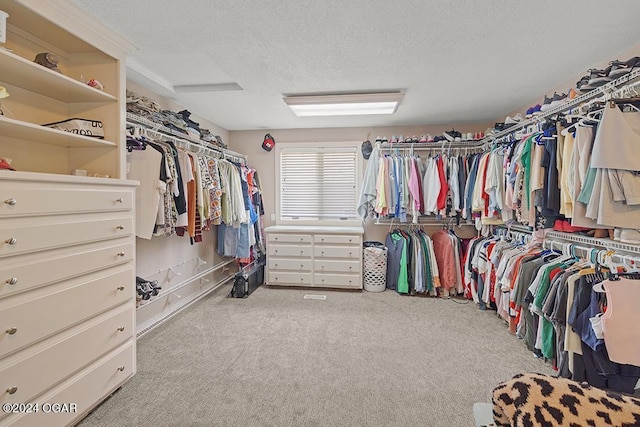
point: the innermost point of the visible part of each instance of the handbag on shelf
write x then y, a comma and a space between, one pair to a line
84, 127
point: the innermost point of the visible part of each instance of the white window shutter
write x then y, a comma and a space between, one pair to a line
318, 184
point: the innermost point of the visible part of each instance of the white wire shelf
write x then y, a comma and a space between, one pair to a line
135, 120
592, 241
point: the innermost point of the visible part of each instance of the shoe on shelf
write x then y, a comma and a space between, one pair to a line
627, 235
384, 139
599, 77
408, 139
512, 121
449, 135
572, 93
415, 139
401, 138
619, 68
582, 85
430, 138
470, 136
378, 139
537, 109
529, 113
394, 139
558, 99
546, 104
423, 138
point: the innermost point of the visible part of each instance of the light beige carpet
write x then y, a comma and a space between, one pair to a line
354, 359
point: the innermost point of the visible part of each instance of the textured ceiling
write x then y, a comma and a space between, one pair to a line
457, 60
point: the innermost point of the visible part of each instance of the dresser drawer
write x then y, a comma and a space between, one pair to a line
286, 250
336, 239
86, 389
19, 236
289, 278
290, 264
337, 252
289, 238
20, 199
20, 273
34, 318
325, 266
40, 370
348, 281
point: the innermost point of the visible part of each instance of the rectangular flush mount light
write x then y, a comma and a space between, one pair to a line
344, 105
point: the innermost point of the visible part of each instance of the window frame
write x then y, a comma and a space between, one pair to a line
317, 147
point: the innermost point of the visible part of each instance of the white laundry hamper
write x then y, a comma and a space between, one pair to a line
375, 267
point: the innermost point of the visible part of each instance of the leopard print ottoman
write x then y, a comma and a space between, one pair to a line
540, 400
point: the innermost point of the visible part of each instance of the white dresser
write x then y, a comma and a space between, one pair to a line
311, 256
67, 292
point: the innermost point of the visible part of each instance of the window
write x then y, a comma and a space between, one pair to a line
318, 184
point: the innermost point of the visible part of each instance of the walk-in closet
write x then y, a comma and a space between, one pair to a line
282, 213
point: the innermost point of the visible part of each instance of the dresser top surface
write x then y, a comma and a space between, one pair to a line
6, 175
314, 229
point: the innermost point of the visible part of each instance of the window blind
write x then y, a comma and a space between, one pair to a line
318, 184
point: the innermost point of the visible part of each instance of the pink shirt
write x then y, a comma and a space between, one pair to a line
414, 187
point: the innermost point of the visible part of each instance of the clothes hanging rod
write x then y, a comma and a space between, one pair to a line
516, 227
423, 221
135, 120
440, 145
199, 149
612, 86
592, 241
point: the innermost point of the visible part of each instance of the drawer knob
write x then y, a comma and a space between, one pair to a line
12, 281
119, 227
121, 288
276, 251
276, 277
11, 201
302, 279
121, 329
350, 267
12, 390
12, 330
275, 238
121, 368
301, 252
120, 254
349, 253
350, 240
322, 252
301, 265
119, 200
301, 239
276, 265
11, 241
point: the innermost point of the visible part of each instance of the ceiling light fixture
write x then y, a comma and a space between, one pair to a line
344, 105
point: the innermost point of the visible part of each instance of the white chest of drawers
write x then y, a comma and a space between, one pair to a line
67, 291
308, 256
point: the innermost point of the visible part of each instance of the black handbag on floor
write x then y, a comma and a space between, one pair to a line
248, 279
